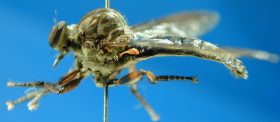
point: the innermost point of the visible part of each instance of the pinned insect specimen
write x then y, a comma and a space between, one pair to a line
103, 45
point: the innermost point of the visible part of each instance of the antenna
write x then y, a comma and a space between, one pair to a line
55, 17
107, 3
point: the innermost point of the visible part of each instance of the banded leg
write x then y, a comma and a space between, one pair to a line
135, 76
67, 83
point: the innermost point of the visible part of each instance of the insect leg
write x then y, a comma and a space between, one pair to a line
26, 84
135, 76
154, 116
67, 83
134, 90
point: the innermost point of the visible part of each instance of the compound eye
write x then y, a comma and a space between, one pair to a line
58, 36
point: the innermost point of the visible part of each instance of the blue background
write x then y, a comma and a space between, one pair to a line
219, 97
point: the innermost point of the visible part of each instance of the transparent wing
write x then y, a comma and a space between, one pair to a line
188, 24
184, 46
252, 53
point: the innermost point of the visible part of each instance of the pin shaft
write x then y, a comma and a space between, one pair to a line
107, 3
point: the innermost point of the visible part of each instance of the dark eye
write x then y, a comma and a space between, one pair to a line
58, 36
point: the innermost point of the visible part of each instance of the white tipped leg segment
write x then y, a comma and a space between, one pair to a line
67, 83
32, 105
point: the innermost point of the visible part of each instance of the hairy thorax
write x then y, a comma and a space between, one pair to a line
98, 31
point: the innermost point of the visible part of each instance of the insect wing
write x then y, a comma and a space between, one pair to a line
252, 53
185, 46
191, 24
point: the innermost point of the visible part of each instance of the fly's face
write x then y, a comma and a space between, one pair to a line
58, 37
63, 38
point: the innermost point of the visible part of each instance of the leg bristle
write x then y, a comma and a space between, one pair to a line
194, 80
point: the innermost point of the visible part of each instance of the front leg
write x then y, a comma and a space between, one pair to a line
67, 83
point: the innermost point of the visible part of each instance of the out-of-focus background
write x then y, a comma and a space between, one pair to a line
219, 97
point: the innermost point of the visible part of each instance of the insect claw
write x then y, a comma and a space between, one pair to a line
11, 84
155, 117
32, 106
10, 105
194, 79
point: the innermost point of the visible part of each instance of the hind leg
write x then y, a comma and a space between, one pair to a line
134, 76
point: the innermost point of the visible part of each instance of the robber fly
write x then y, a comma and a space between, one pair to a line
103, 45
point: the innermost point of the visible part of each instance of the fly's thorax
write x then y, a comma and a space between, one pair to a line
100, 34
104, 26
